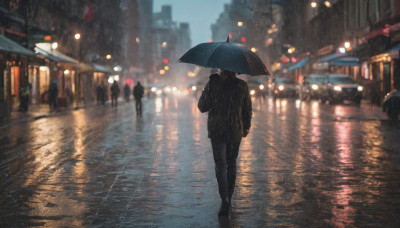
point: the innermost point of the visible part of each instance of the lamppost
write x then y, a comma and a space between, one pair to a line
77, 78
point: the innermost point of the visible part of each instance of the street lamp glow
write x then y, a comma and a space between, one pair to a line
77, 36
240, 24
164, 44
328, 4
54, 45
342, 50
253, 49
313, 4
194, 88
137, 40
347, 44
166, 68
162, 72
291, 50
66, 71
108, 56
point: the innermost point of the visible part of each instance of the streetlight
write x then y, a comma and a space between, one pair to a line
291, 50
253, 49
77, 36
327, 4
164, 44
54, 45
313, 4
108, 56
240, 24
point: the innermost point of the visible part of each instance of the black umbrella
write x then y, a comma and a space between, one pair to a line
225, 56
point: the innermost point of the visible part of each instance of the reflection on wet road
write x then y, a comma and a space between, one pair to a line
302, 165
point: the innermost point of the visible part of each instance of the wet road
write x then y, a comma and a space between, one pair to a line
302, 165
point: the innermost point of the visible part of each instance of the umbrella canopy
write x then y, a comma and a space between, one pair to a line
225, 56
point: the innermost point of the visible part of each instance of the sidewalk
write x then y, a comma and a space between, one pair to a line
38, 111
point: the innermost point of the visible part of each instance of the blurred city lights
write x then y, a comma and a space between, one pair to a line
240, 24
243, 39
54, 45
347, 44
164, 44
66, 71
166, 68
253, 49
162, 72
108, 56
261, 87
165, 60
194, 88
137, 40
77, 36
313, 4
327, 4
342, 50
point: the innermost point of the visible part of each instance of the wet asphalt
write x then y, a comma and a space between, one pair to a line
304, 164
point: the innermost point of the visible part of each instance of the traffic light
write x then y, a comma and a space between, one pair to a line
165, 60
243, 39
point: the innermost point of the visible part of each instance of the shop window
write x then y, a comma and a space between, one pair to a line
15, 81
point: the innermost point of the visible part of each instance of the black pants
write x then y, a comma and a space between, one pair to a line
225, 155
138, 106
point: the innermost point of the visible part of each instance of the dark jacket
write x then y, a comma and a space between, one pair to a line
138, 91
229, 105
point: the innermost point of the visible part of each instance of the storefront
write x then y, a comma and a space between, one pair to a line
14, 60
61, 69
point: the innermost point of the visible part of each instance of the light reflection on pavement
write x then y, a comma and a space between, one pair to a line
304, 164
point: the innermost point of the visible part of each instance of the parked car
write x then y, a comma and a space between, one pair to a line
391, 104
311, 87
340, 87
284, 87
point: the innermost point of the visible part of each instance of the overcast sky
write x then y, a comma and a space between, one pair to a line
200, 14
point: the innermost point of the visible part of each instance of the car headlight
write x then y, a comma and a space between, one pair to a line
360, 88
337, 88
261, 87
252, 92
281, 87
314, 86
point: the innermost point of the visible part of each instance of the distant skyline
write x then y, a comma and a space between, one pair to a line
200, 14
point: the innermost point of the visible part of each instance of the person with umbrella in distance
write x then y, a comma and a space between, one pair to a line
227, 101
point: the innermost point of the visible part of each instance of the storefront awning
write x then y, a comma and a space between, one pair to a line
345, 61
300, 64
83, 67
102, 69
56, 56
329, 58
8, 45
395, 48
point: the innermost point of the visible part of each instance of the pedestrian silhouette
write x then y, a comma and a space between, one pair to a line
101, 92
25, 92
127, 92
114, 94
138, 92
227, 101
53, 94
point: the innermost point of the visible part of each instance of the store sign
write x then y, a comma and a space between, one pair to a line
320, 66
326, 50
